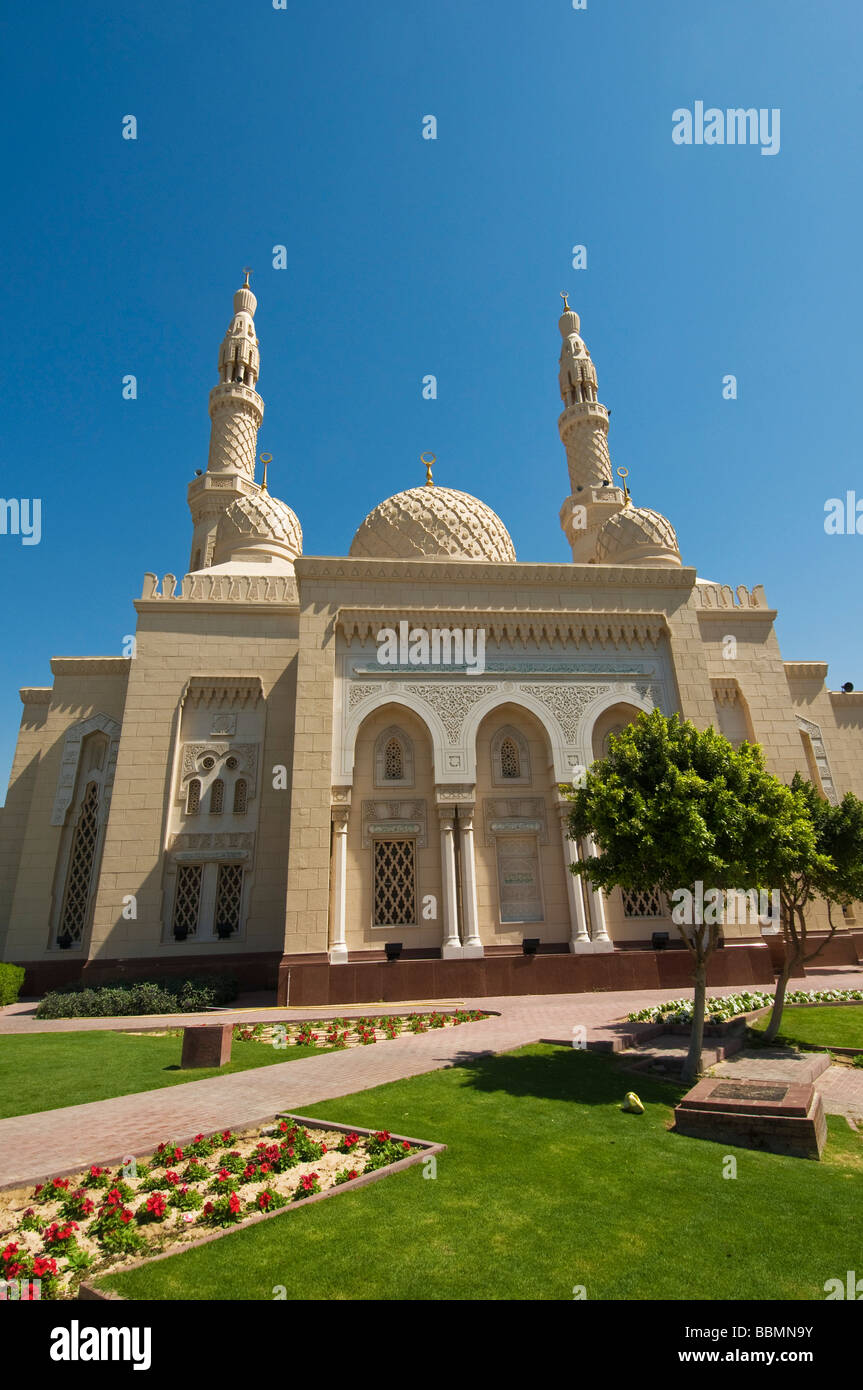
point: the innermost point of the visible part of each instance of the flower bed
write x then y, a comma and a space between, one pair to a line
351, 1032
100, 1218
722, 1010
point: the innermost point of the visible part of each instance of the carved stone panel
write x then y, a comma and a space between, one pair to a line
400, 817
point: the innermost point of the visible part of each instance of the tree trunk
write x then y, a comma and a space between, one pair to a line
779, 998
692, 1065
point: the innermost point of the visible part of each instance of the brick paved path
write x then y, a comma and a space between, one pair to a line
33, 1147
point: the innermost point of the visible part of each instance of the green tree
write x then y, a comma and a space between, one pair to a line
674, 807
833, 870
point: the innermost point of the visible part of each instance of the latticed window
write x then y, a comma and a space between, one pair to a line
229, 893
193, 797
241, 796
510, 762
187, 899
394, 763
217, 797
395, 883
642, 904
73, 918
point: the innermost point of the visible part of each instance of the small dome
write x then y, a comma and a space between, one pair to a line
260, 525
433, 523
637, 536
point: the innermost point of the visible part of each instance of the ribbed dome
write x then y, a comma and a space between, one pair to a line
639, 536
259, 525
433, 523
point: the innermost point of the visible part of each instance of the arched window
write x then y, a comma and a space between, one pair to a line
76, 900
510, 762
217, 797
510, 757
394, 758
394, 763
241, 796
193, 797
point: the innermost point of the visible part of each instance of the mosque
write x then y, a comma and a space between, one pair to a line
255, 790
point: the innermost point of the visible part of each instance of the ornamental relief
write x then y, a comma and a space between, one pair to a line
514, 814
245, 753
215, 840
452, 703
393, 817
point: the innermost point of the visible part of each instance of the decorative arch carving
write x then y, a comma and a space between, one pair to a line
71, 758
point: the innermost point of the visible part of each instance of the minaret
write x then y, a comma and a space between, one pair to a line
583, 429
236, 412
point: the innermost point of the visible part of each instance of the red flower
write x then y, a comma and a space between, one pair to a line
13, 1270
178, 1153
172, 1177
353, 1174
283, 1126
227, 1136
44, 1267
265, 1167
197, 1139
308, 1181
10, 1250
383, 1136
264, 1200
323, 1148
156, 1205
405, 1144
250, 1170
223, 1175
234, 1203
96, 1171
126, 1216
208, 1207
40, 1187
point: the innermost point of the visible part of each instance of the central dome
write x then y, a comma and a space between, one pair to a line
433, 523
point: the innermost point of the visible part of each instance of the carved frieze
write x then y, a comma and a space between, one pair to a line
401, 816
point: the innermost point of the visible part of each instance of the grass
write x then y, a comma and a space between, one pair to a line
546, 1185
47, 1071
827, 1026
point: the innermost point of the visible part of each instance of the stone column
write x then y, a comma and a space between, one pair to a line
451, 944
472, 944
600, 939
579, 940
338, 949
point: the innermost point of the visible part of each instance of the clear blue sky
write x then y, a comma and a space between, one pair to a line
303, 126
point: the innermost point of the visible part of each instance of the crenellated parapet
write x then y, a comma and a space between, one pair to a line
220, 588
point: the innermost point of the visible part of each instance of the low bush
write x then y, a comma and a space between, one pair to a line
125, 999
11, 980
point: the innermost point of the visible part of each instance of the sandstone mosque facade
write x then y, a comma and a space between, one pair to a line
253, 790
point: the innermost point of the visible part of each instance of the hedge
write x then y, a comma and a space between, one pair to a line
11, 980
124, 999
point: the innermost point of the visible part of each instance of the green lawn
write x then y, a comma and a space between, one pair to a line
44, 1071
831, 1025
546, 1185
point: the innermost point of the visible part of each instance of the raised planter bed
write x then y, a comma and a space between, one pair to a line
94, 1221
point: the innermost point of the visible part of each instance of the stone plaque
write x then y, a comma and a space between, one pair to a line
518, 879
738, 1090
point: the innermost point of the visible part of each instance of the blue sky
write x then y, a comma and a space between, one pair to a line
302, 127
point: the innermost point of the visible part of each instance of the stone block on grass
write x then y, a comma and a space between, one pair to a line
206, 1045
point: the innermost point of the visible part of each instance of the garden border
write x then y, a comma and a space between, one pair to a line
428, 1149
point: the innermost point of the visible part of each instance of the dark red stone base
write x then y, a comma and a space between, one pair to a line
782, 1117
253, 971
207, 1045
303, 983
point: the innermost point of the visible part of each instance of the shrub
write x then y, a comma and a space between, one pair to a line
11, 980
124, 999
